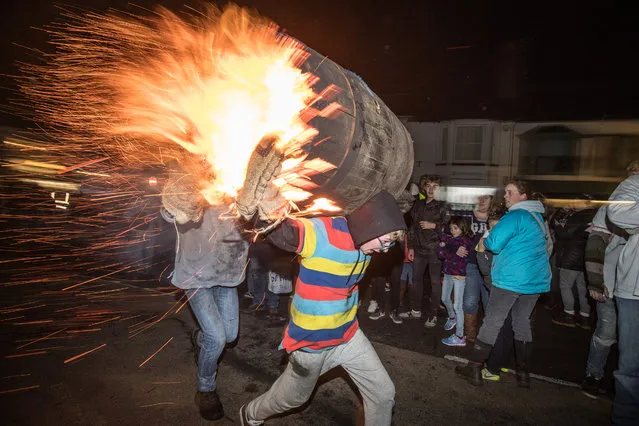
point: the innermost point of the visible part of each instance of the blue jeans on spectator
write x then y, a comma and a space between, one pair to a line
257, 280
455, 309
603, 338
626, 405
475, 288
407, 272
217, 312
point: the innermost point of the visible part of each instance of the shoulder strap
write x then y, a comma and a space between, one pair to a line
542, 225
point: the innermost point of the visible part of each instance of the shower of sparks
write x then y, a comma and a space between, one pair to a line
119, 100
196, 87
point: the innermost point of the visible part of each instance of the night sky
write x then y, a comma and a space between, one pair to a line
437, 60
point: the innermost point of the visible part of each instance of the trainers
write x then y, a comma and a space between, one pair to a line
592, 387
411, 314
372, 306
565, 319
377, 315
431, 322
487, 375
209, 405
245, 421
394, 316
248, 295
450, 324
583, 322
454, 340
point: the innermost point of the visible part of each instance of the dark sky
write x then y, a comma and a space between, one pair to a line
439, 60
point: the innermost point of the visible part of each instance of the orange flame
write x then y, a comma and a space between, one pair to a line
214, 84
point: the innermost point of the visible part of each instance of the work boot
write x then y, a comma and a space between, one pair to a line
478, 354
522, 357
470, 327
209, 405
470, 372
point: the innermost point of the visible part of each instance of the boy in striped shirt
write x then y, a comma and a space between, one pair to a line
323, 332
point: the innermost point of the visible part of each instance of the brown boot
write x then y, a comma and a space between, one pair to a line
470, 327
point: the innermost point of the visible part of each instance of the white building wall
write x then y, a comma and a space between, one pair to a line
435, 144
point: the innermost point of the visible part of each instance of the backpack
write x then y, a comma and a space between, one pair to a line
546, 231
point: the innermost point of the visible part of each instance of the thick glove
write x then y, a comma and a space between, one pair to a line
273, 206
181, 198
263, 166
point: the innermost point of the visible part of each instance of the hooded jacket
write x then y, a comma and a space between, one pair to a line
522, 264
626, 216
209, 253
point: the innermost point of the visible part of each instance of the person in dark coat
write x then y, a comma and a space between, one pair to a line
570, 247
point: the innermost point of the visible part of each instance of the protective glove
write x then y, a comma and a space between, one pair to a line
263, 166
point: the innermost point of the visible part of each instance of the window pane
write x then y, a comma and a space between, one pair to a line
445, 144
469, 143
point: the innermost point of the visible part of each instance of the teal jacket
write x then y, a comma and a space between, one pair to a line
522, 265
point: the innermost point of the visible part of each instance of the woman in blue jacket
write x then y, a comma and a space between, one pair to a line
520, 273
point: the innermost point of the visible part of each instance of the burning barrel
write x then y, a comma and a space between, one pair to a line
370, 147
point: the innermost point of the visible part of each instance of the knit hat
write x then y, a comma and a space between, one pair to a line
376, 217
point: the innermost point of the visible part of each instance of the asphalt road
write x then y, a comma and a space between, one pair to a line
111, 353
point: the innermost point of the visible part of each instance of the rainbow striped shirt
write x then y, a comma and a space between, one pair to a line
324, 306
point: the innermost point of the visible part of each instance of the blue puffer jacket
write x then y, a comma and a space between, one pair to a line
522, 265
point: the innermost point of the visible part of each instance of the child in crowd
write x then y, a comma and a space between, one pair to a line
454, 268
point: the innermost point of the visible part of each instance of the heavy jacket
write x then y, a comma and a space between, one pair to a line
626, 216
571, 237
522, 263
425, 240
210, 253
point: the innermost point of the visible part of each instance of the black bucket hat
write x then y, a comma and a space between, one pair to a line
376, 217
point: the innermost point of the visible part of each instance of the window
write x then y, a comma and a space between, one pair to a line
469, 143
444, 142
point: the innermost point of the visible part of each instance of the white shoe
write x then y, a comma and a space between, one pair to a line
411, 314
431, 322
372, 306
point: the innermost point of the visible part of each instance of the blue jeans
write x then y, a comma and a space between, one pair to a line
603, 338
626, 405
475, 288
456, 309
257, 280
217, 312
407, 272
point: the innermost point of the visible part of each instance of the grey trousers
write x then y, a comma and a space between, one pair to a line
567, 279
358, 357
500, 303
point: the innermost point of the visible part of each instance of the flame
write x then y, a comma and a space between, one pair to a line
324, 204
210, 85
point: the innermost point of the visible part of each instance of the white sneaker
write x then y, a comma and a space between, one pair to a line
411, 314
431, 322
372, 306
